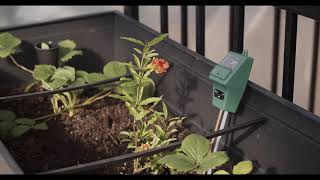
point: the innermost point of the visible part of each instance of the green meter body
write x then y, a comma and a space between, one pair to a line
230, 79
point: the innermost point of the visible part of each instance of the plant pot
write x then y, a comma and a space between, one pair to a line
288, 142
47, 56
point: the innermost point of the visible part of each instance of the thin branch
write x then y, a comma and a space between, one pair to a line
20, 66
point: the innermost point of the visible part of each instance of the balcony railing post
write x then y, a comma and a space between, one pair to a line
200, 29
184, 25
236, 28
164, 19
132, 11
289, 55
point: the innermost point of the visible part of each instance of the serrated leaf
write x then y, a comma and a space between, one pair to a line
6, 52
68, 44
81, 73
8, 41
179, 162
45, 46
18, 131
243, 167
41, 126
133, 40
25, 121
6, 115
70, 55
150, 100
195, 146
43, 72
158, 39
221, 172
114, 69
212, 160
66, 72
94, 77
58, 83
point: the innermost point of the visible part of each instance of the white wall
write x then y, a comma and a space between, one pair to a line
258, 36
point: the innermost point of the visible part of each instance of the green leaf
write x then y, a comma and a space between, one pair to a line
150, 100
5, 127
43, 71
68, 44
18, 131
25, 121
70, 55
136, 60
94, 77
160, 130
45, 46
133, 40
77, 82
137, 50
243, 167
8, 41
66, 72
6, 52
41, 126
114, 69
123, 98
179, 162
152, 55
6, 115
195, 146
212, 160
221, 172
81, 73
165, 110
58, 83
158, 39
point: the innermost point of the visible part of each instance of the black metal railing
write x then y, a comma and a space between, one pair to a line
236, 39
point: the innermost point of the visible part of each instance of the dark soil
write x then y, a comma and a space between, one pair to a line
91, 134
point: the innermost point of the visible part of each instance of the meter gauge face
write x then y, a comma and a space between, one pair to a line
230, 62
218, 94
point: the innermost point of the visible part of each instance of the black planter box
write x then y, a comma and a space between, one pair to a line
288, 141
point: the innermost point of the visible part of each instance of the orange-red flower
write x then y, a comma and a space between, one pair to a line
160, 65
145, 147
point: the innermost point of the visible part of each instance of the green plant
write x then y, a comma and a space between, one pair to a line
151, 128
12, 127
194, 156
67, 50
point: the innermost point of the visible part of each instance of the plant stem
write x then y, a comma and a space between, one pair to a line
20, 66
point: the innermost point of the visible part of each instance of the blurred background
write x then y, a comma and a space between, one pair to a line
258, 37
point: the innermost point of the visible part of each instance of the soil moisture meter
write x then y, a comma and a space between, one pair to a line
230, 79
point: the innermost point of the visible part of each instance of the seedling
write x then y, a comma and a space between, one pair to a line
194, 156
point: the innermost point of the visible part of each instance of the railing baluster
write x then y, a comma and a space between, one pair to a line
164, 19
275, 55
132, 11
289, 55
236, 28
200, 29
314, 66
184, 25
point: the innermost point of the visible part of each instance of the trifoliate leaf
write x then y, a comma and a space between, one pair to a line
66, 72
6, 115
179, 162
58, 83
114, 69
94, 77
81, 73
195, 146
212, 160
8, 41
43, 72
